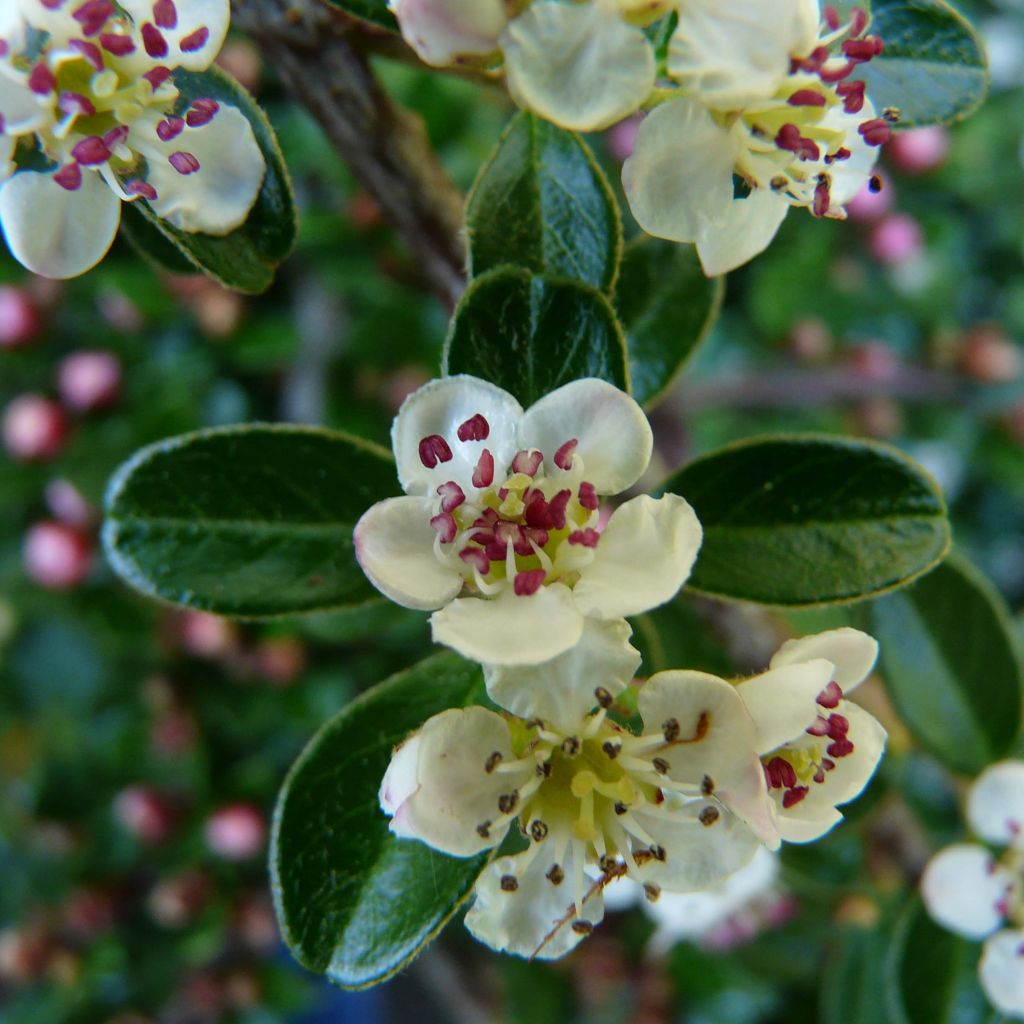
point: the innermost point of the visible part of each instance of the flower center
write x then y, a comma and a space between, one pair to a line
523, 532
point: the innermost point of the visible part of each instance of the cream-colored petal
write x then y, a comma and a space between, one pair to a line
441, 31
963, 887
782, 701
394, 544
850, 176
995, 806
579, 65
853, 654
197, 35
1002, 972
743, 230
644, 556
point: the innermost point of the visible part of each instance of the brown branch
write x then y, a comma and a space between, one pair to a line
315, 52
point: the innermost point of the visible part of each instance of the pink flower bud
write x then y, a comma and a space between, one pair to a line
919, 150
205, 635
897, 239
236, 832
281, 660
56, 555
988, 355
871, 203
621, 138
144, 813
874, 360
34, 428
89, 380
66, 503
20, 320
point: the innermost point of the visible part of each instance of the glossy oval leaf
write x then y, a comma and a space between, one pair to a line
542, 202
249, 521
933, 69
246, 259
667, 307
854, 975
952, 665
376, 12
809, 519
531, 334
353, 901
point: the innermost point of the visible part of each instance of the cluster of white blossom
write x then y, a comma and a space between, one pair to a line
88, 103
675, 783
980, 895
758, 93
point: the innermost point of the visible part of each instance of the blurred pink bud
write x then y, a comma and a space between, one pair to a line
66, 503
56, 555
621, 138
205, 635
34, 428
236, 832
20, 320
24, 953
281, 660
874, 360
88, 911
811, 341
174, 732
178, 899
988, 355
89, 380
919, 150
897, 239
872, 202
144, 813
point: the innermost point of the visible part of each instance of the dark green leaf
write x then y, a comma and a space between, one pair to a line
543, 203
530, 334
249, 521
854, 975
951, 663
353, 901
147, 239
374, 11
932, 974
667, 306
675, 636
808, 519
245, 259
933, 69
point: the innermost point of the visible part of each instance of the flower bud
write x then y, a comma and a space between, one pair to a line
236, 832
873, 201
34, 428
400, 782
897, 239
144, 813
919, 150
20, 320
66, 503
89, 380
56, 555
988, 355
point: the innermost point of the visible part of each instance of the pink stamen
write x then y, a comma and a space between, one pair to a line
875, 132
202, 112
822, 198
69, 177
89, 51
862, 50
477, 558
806, 98
483, 475
476, 428
831, 16
529, 582
118, 45
42, 81
819, 727
91, 152
838, 727
141, 188
527, 463
165, 14
588, 496
452, 496
790, 139
157, 76
793, 796
853, 94
780, 773
195, 40
183, 163
830, 696
563, 457
169, 128
434, 449
76, 103
840, 748
154, 42
587, 538
445, 527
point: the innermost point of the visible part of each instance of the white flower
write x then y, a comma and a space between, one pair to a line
93, 87
444, 32
678, 806
969, 891
499, 528
818, 749
766, 97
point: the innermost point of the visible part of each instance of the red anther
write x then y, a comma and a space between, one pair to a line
487, 519
529, 582
476, 428
830, 696
202, 112
822, 199
91, 151
452, 496
483, 475
76, 103
875, 132
89, 51
587, 496
495, 552
536, 512
813, 62
587, 538
195, 40
563, 457
556, 509
780, 774
840, 748
819, 727
169, 128
862, 50
806, 98
853, 96
538, 536
157, 76
165, 14
93, 15
831, 75
116, 136
831, 16
154, 42
445, 527
858, 21
793, 796
184, 163
41, 80
434, 449
827, 764
137, 187
838, 726
1013, 827
840, 154
69, 177
118, 45
477, 558
527, 462
506, 533
790, 139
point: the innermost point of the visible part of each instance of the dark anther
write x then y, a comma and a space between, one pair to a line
582, 927
492, 762
570, 746
652, 891
604, 698
707, 785
708, 816
661, 766
611, 749
509, 883
507, 802
538, 830
555, 875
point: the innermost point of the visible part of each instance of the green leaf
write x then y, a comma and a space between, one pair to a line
933, 69
952, 666
353, 901
249, 521
807, 519
854, 975
247, 258
374, 11
932, 974
675, 636
542, 202
147, 240
668, 307
531, 334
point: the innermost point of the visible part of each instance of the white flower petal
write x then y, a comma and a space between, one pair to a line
678, 179
198, 35
561, 691
578, 65
697, 856
455, 794
851, 175
743, 230
441, 407
962, 886
520, 921
717, 740
782, 701
644, 556
401, 781
56, 233
59, 23
21, 110
995, 805
217, 197
853, 654
1002, 972
441, 31
511, 630
615, 439
394, 544
731, 53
